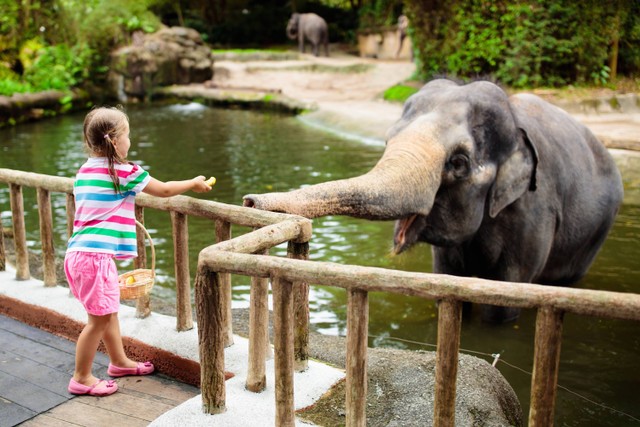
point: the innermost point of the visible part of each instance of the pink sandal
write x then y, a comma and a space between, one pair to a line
143, 368
77, 388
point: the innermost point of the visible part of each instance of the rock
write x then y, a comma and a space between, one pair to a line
401, 387
174, 55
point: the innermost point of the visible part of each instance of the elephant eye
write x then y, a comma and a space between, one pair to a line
459, 164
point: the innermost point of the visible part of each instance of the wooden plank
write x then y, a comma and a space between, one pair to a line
125, 403
12, 414
28, 395
45, 420
80, 412
33, 372
159, 388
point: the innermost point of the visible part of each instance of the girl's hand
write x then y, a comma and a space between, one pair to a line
173, 188
199, 185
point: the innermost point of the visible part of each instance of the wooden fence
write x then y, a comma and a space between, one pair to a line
248, 255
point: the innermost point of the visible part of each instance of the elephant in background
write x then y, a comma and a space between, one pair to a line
311, 27
503, 188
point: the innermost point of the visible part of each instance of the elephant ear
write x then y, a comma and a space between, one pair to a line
515, 176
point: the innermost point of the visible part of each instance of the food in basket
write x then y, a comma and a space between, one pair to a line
130, 280
211, 181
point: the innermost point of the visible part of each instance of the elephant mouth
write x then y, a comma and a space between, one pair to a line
400, 240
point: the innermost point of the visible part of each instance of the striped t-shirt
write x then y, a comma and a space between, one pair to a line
105, 219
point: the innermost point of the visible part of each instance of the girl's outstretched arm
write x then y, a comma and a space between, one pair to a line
172, 188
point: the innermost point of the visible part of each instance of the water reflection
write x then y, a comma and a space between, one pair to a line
253, 153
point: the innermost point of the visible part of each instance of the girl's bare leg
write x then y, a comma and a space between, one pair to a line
113, 342
87, 346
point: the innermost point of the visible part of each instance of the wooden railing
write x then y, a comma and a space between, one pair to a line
248, 255
243, 255
179, 207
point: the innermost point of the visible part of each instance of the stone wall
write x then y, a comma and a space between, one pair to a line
383, 43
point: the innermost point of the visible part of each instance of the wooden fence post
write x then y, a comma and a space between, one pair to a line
449, 322
223, 232
210, 340
183, 281
71, 214
546, 362
259, 348
19, 233
3, 255
357, 340
283, 351
143, 304
301, 309
46, 237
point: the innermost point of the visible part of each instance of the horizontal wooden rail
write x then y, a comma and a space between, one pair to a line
606, 304
186, 205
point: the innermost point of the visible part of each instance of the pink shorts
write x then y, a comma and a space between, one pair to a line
93, 280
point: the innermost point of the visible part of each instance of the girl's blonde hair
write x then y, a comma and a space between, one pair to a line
101, 127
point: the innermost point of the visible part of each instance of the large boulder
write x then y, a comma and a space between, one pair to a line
174, 55
401, 387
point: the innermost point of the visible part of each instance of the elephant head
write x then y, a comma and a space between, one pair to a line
455, 154
292, 26
503, 188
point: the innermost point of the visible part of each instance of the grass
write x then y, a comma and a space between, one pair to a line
399, 93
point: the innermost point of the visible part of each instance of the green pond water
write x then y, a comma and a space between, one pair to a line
251, 152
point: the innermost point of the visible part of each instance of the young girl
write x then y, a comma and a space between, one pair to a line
104, 228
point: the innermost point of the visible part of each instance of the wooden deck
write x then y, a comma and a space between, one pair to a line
35, 368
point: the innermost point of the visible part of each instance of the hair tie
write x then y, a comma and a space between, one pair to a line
106, 136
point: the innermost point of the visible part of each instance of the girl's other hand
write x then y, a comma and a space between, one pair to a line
199, 185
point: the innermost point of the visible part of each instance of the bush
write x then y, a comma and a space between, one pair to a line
399, 93
58, 67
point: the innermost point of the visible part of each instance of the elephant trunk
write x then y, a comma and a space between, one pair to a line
391, 190
292, 33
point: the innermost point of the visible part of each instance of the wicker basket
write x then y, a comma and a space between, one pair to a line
143, 277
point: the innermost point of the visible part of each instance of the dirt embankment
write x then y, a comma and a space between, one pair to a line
346, 92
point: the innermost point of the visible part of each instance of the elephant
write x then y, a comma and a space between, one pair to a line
507, 188
313, 28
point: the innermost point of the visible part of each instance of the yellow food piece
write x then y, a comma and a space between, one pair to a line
211, 181
130, 280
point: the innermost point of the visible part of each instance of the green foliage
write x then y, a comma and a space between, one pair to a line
525, 43
58, 67
399, 93
379, 13
59, 44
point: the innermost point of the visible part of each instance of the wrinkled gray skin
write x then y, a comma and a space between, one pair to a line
503, 188
311, 27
